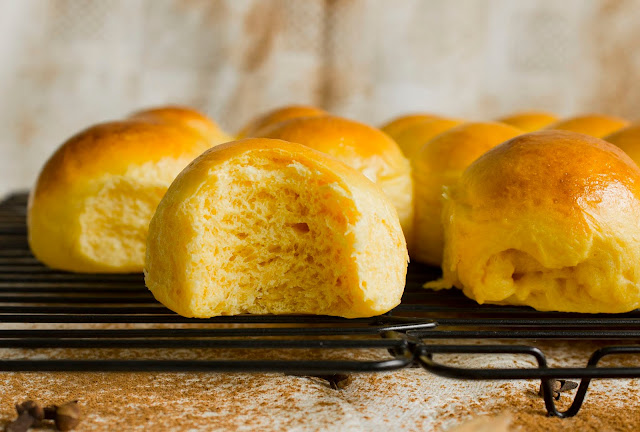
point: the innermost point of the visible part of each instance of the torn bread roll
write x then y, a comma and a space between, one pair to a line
270, 227
363, 148
549, 219
91, 205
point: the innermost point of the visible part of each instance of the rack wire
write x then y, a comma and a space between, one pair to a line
424, 326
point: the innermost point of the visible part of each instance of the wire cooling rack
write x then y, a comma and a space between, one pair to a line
414, 334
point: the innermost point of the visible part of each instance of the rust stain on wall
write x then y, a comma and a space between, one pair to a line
261, 28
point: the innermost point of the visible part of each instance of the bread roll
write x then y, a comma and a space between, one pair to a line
549, 219
413, 137
627, 139
255, 126
91, 206
266, 226
440, 163
185, 117
394, 127
595, 125
362, 147
529, 121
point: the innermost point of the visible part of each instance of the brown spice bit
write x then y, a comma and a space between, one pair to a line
68, 415
500, 423
30, 413
559, 386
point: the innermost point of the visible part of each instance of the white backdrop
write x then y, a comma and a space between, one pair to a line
65, 64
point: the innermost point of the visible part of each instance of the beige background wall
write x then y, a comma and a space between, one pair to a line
65, 64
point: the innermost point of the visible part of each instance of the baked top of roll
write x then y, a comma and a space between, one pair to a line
413, 137
596, 125
395, 126
360, 146
529, 121
439, 163
580, 174
93, 199
457, 147
187, 117
255, 127
357, 144
548, 219
112, 148
627, 139
267, 226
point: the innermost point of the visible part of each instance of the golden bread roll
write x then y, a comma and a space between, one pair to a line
362, 147
394, 127
595, 125
440, 163
549, 219
91, 206
628, 139
529, 121
186, 117
266, 226
255, 126
413, 137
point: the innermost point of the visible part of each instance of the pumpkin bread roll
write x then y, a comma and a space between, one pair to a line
91, 206
265, 226
529, 121
186, 117
627, 139
549, 219
394, 127
362, 147
413, 137
595, 125
255, 127
440, 163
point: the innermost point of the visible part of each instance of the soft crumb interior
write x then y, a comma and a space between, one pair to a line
594, 285
272, 237
115, 219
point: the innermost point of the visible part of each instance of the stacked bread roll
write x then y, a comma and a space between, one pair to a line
91, 205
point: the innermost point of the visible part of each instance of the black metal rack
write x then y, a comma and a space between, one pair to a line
33, 296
